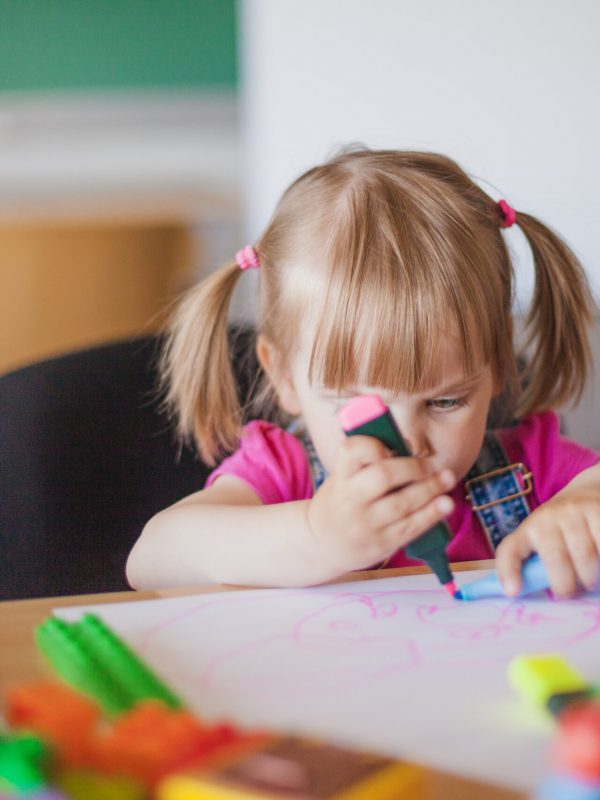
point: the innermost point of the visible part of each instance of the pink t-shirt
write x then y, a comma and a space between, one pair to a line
275, 466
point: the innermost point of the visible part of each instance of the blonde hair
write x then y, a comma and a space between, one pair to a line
380, 256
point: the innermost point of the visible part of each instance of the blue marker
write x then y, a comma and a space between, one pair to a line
533, 579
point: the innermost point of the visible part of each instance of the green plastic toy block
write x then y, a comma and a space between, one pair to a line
93, 659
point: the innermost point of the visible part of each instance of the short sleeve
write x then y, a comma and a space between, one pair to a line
271, 462
553, 459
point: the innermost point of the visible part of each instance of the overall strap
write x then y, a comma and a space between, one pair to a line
497, 489
318, 472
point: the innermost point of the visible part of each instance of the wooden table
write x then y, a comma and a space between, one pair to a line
20, 661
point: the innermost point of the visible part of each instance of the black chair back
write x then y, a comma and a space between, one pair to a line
87, 456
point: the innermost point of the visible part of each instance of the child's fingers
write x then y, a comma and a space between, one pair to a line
560, 569
393, 474
594, 528
398, 505
510, 555
374, 470
399, 534
584, 555
356, 452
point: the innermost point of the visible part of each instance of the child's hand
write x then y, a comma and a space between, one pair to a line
371, 504
565, 532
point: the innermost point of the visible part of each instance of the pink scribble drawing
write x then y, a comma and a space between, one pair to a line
330, 641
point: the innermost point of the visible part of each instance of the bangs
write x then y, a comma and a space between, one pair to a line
396, 296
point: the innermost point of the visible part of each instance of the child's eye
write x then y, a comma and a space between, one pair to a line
448, 403
338, 400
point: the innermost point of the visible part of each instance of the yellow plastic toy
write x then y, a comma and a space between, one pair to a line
538, 677
297, 767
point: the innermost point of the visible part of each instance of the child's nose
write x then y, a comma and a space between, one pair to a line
413, 430
416, 438
419, 446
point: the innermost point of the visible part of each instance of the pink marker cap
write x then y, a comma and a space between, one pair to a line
360, 410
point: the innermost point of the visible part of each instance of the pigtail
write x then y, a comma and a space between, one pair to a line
196, 372
557, 349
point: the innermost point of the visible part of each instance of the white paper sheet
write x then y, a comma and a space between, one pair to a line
395, 666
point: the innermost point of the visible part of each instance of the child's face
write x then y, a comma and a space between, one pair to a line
447, 424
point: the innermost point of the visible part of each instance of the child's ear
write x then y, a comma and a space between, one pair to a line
281, 378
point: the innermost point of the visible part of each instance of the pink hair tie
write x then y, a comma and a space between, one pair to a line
247, 258
509, 215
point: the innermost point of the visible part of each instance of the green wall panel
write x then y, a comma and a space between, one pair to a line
104, 44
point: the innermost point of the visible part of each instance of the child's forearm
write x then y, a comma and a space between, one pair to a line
259, 545
589, 479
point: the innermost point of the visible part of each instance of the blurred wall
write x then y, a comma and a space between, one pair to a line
508, 89
103, 44
119, 165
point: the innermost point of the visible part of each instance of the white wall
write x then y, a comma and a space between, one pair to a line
509, 89
66, 148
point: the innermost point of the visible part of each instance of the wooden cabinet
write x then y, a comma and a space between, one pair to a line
70, 284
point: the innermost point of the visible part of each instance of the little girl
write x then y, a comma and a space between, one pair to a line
383, 272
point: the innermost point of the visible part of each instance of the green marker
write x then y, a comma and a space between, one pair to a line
368, 415
92, 658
